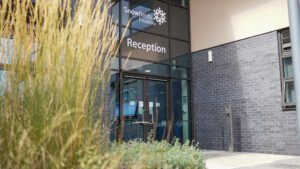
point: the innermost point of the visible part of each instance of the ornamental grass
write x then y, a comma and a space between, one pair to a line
55, 60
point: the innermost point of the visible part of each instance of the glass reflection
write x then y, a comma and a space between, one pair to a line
114, 63
114, 106
7, 51
150, 15
132, 97
145, 46
181, 108
3, 82
180, 72
183, 3
158, 108
181, 130
133, 104
145, 108
290, 92
134, 109
179, 23
6, 47
180, 53
145, 67
114, 11
183, 60
181, 100
288, 67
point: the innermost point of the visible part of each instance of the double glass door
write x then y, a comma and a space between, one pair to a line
145, 107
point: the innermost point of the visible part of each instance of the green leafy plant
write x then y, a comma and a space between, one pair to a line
151, 155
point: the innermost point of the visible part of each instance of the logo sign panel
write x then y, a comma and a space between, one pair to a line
146, 46
156, 17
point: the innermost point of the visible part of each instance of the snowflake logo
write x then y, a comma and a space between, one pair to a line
160, 16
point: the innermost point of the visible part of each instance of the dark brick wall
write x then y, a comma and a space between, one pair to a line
246, 75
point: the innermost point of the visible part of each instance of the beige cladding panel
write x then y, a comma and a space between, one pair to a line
216, 22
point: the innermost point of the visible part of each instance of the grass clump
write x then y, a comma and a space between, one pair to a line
54, 60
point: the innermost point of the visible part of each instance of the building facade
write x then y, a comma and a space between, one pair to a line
183, 63
189, 60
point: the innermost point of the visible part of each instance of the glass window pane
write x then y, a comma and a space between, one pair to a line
114, 63
117, 33
114, 11
132, 130
114, 104
184, 3
151, 15
114, 93
145, 67
179, 23
290, 92
132, 97
145, 46
183, 60
3, 82
288, 67
180, 72
6, 50
158, 107
181, 99
181, 130
180, 53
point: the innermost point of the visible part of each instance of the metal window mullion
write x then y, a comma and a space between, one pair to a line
170, 115
284, 55
121, 115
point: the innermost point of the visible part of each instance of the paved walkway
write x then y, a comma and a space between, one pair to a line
238, 160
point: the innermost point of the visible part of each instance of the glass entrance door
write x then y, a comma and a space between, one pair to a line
144, 108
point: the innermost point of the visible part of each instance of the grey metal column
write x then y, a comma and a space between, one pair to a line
294, 16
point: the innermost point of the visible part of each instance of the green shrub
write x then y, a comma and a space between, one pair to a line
151, 155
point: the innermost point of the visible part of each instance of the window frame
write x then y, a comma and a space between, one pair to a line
284, 80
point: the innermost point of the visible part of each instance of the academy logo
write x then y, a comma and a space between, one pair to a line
159, 16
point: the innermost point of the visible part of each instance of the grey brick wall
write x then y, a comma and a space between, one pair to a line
246, 75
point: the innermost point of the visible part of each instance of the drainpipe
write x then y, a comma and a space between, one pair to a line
294, 17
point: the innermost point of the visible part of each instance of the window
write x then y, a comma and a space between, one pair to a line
180, 53
6, 47
183, 3
179, 23
181, 108
145, 46
158, 43
142, 15
287, 74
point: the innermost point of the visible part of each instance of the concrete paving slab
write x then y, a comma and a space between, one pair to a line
242, 160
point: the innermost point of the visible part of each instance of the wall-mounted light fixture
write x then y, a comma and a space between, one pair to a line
210, 56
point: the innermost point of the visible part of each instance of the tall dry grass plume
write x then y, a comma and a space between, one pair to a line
54, 67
